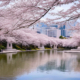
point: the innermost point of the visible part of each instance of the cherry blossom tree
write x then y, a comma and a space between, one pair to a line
28, 37
24, 13
18, 15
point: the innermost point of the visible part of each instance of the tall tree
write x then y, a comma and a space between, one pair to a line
19, 14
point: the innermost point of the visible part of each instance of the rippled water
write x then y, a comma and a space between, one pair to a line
40, 65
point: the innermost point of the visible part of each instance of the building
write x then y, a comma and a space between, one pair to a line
53, 30
50, 31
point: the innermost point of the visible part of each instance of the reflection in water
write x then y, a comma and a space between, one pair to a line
13, 65
62, 62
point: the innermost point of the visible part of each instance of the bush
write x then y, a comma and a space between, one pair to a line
17, 47
2, 47
61, 37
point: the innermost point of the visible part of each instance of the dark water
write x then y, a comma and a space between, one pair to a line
40, 65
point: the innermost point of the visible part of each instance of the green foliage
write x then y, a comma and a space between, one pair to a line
21, 47
4, 44
47, 48
2, 47
17, 47
31, 47
61, 37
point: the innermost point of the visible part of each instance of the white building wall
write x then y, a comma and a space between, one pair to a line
58, 33
54, 33
51, 32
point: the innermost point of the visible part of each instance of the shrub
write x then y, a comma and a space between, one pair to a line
2, 47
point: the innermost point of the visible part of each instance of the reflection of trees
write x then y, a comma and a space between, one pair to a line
78, 65
61, 61
5, 78
20, 63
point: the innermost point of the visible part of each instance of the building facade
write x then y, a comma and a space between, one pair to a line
53, 30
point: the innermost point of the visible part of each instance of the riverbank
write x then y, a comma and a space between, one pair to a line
15, 51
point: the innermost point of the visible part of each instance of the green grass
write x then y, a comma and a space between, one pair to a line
47, 48
35, 49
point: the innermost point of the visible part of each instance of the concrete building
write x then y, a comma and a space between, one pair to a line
54, 33
49, 31
53, 30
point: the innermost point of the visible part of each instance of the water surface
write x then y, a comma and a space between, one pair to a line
40, 65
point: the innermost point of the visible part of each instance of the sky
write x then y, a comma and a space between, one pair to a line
57, 9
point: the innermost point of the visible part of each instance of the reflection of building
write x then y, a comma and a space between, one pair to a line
61, 63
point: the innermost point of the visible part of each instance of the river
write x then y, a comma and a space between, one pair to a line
40, 65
